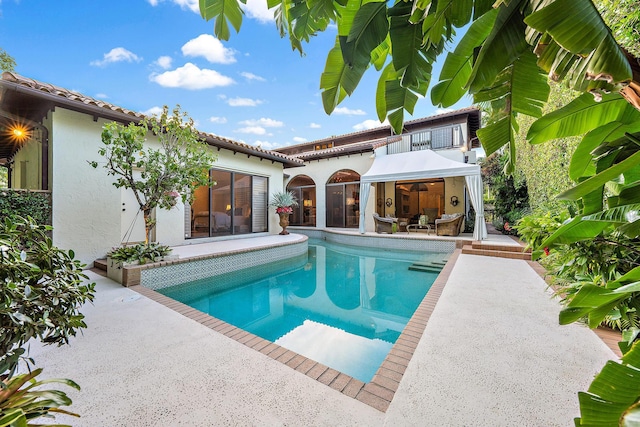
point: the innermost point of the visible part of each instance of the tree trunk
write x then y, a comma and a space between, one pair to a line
149, 225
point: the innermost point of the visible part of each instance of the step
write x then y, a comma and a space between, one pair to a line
100, 264
424, 269
431, 264
470, 250
498, 247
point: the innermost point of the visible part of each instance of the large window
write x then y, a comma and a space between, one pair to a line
343, 199
235, 204
415, 198
304, 188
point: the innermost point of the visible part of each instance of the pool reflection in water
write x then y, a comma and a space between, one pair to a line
342, 306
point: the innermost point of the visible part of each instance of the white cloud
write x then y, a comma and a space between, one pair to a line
210, 48
117, 54
348, 112
251, 76
153, 111
370, 124
164, 62
314, 125
102, 96
265, 145
257, 9
192, 5
444, 110
255, 130
191, 77
243, 102
219, 120
299, 139
269, 123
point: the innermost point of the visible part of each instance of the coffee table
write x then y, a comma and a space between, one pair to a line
417, 227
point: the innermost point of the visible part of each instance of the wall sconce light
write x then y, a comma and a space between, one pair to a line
454, 201
307, 203
228, 207
18, 132
389, 202
351, 201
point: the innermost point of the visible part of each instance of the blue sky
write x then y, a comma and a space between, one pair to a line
143, 54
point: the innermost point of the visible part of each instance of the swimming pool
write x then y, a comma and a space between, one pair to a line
342, 306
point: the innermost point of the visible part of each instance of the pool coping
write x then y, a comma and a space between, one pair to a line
379, 392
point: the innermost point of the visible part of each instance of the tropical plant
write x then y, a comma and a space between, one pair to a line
613, 395
283, 201
20, 403
503, 59
140, 252
42, 289
157, 177
25, 203
510, 191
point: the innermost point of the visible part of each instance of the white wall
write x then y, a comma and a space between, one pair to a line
28, 158
87, 208
321, 170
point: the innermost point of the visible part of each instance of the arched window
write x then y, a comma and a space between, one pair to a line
304, 188
343, 199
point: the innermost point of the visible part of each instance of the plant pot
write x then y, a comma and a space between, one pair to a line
284, 223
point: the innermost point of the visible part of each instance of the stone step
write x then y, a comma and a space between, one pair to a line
498, 247
425, 268
100, 264
432, 264
470, 250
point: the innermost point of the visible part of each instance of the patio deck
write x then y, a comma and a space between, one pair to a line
492, 353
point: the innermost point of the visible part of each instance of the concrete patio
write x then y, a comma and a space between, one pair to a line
492, 354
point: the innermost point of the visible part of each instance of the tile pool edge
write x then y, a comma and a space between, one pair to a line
379, 392
182, 270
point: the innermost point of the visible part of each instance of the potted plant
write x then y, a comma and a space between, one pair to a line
284, 201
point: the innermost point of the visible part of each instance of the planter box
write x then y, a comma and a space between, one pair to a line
116, 268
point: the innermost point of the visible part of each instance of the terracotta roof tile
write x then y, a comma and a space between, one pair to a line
81, 99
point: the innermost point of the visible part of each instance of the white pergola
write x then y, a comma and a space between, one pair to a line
420, 165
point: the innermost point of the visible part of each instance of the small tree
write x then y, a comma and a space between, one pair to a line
7, 63
42, 290
157, 176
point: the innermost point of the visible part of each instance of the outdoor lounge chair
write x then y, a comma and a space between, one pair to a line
449, 225
384, 225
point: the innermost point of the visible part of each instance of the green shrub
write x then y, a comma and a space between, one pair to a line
24, 204
141, 252
42, 290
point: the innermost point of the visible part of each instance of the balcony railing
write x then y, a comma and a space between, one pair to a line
432, 139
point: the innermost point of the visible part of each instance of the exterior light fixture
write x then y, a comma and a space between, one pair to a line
18, 132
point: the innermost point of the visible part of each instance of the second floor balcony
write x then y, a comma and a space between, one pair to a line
444, 138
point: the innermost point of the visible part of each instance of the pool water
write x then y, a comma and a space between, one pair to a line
341, 306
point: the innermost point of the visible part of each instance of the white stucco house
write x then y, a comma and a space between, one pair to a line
339, 181
430, 169
62, 132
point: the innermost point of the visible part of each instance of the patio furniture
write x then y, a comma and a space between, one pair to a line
416, 227
423, 224
449, 225
431, 213
402, 224
384, 225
